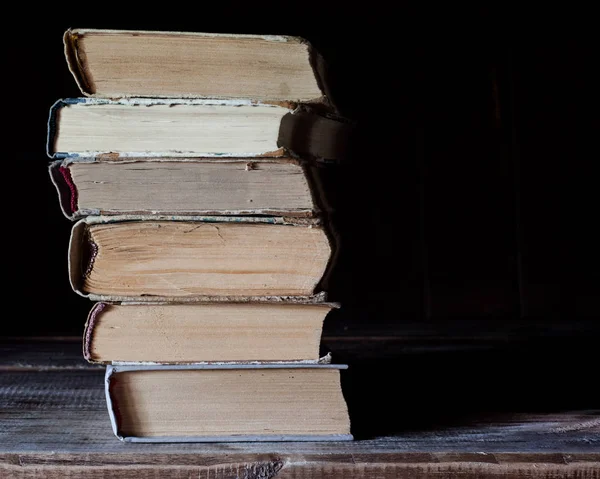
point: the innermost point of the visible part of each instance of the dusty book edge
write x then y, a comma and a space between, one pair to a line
77, 64
202, 364
66, 192
312, 132
76, 257
240, 438
270, 220
153, 302
54, 125
82, 254
98, 308
59, 171
270, 38
307, 131
88, 331
317, 298
114, 420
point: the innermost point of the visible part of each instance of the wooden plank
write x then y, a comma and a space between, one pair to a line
297, 466
75, 430
43, 354
308, 470
63, 412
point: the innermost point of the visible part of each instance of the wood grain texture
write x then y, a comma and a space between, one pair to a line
310, 470
54, 424
298, 466
41, 354
64, 412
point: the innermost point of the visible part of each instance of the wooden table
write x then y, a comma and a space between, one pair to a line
54, 424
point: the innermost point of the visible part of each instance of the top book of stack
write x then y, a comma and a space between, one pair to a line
122, 64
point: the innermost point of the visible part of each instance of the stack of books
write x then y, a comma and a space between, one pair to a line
200, 233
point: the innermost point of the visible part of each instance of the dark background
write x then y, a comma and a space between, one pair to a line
468, 209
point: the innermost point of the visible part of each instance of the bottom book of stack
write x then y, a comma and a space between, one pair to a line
227, 402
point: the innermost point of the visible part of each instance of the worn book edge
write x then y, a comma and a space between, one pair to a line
76, 64
59, 104
78, 245
98, 308
68, 200
308, 131
314, 132
112, 369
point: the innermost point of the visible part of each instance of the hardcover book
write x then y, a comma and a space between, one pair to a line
169, 333
111, 64
227, 402
180, 128
189, 186
198, 258
138, 127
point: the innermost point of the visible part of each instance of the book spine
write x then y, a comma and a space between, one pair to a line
312, 133
112, 413
53, 127
65, 188
75, 62
76, 246
88, 331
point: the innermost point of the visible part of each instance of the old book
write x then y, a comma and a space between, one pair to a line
267, 402
111, 64
204, 332
176, 257
206, 186
164, 128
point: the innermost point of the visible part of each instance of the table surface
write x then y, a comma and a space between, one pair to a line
53, 422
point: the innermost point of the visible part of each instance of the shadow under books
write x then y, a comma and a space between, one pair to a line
416, 364
403, 390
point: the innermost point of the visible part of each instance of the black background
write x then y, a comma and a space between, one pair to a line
468, 209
